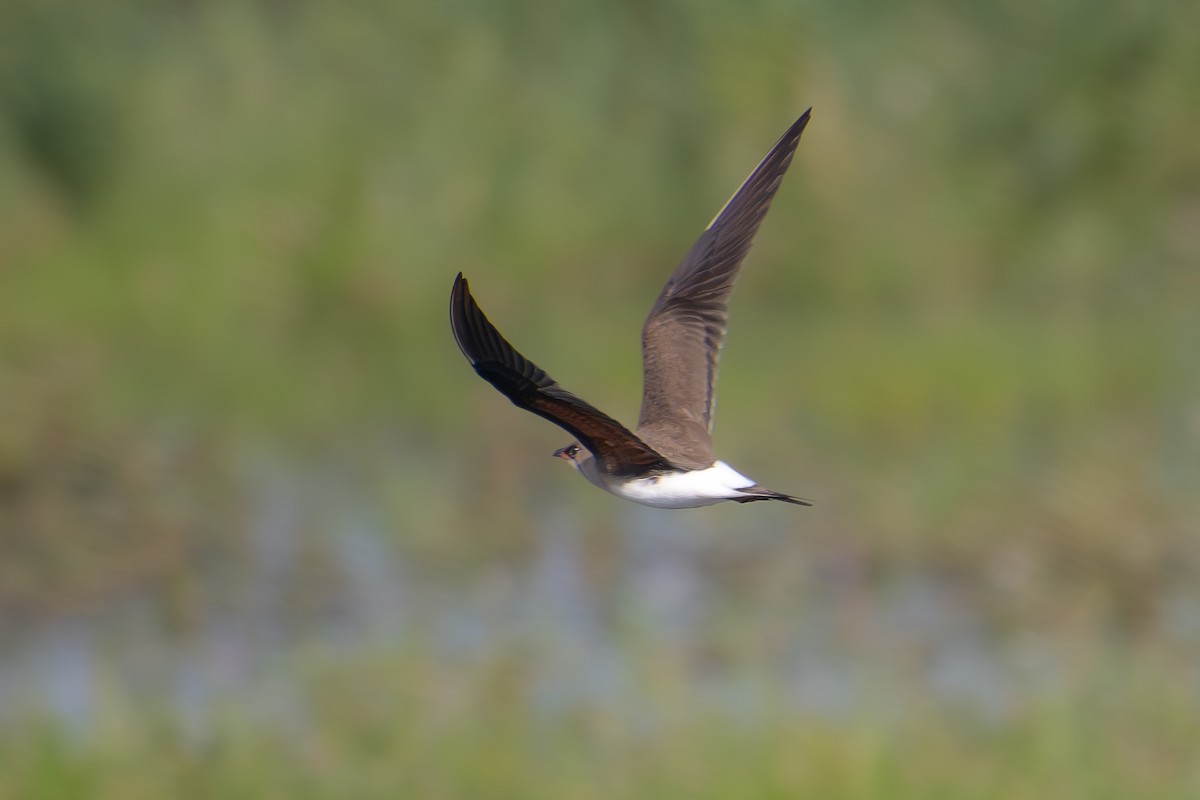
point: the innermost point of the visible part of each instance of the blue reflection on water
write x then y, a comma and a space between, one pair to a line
583, 642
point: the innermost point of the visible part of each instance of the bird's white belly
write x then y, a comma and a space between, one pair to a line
702, 487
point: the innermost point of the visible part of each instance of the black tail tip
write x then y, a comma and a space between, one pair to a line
756, 493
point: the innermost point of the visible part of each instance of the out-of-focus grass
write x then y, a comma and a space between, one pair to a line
235, 224
469, 732
967, 330
239, 222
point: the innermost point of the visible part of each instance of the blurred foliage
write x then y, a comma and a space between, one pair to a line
967, 330
237, 222
466, 733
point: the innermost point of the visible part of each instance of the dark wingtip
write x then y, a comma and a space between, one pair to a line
460, 293
796, 128
457, 290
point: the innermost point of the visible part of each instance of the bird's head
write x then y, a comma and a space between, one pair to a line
572, 454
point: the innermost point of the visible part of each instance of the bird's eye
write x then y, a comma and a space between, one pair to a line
573, 450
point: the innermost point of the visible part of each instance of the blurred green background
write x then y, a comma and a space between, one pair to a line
264, 534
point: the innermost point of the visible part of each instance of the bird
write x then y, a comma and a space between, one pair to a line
668, 460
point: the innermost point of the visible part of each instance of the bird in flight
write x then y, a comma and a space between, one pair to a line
668, 462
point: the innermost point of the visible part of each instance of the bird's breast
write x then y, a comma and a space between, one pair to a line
683, 489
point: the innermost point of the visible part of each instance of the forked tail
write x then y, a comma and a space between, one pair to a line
756, 493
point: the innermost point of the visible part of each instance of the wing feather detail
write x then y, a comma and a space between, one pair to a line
618, 451
684, 332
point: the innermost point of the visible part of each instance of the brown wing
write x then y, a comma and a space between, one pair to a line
681, 339
617, 450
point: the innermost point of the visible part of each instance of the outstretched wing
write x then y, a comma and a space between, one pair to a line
681, 338
617, 450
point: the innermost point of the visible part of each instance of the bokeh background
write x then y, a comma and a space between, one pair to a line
263, 533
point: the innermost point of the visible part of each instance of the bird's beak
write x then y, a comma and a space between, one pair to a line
562, 453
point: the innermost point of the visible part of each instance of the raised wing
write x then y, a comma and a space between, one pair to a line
682, 336
616, 449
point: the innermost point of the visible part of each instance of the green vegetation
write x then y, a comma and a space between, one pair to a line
467, 732
968, 331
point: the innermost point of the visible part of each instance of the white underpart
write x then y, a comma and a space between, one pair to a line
701, 487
